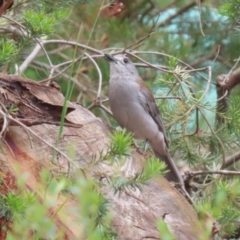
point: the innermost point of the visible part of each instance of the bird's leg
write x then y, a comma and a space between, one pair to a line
145, 146
144, 149
181, 189
135, 144
184, 192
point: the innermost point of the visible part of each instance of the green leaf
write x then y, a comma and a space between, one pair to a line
8, 51
120, 143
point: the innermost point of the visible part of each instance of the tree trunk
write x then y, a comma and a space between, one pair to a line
30, 119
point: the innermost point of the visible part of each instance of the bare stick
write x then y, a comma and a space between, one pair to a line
167, 55
28, 60
231, 160
179, 12
143, 38
148, 64
216, 136
99, 74
200, 17
204, 172
225, 84
9, 117
72, 43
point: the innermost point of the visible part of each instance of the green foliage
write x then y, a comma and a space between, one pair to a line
222, 202
13, 109
38, 19
119, 148
120, 143
233, 116
35, 222
164, 231
39, 23
17, 204
231, 9
49, 6
8, 51
173, 62
153, 168
14, 205
5, 210
94, 209
30, 214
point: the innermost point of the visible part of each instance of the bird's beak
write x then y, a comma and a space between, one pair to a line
110, 58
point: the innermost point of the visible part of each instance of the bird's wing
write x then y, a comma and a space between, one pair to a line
148, 102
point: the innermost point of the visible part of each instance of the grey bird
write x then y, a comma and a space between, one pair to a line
134, 108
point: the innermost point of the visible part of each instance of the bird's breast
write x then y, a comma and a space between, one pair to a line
122, 96
125, 91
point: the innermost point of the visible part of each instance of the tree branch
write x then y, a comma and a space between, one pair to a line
231, 160
225, 84
205, 172
179, 12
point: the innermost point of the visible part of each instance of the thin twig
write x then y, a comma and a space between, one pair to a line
231, 159
48, 58
98, 103
26, 63
72, 43
78, 84
206, 172
10, 149
99, 74
17, 23
152, 6
234, 66
147, 63
5, 122
13, 30
28, 60
43, 140
218, 139
208, 83
167, 55
143, 38
222, 97
61, 72
178, 13
167, 7
206, 57
200, 17
197, 124
217, 54
169, 97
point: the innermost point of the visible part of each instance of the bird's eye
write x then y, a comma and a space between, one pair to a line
125, 60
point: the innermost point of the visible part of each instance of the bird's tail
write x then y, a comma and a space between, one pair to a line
173, 174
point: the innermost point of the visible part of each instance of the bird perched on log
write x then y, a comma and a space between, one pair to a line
134, 108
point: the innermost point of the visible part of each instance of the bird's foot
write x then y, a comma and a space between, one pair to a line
141, 150
184, 192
